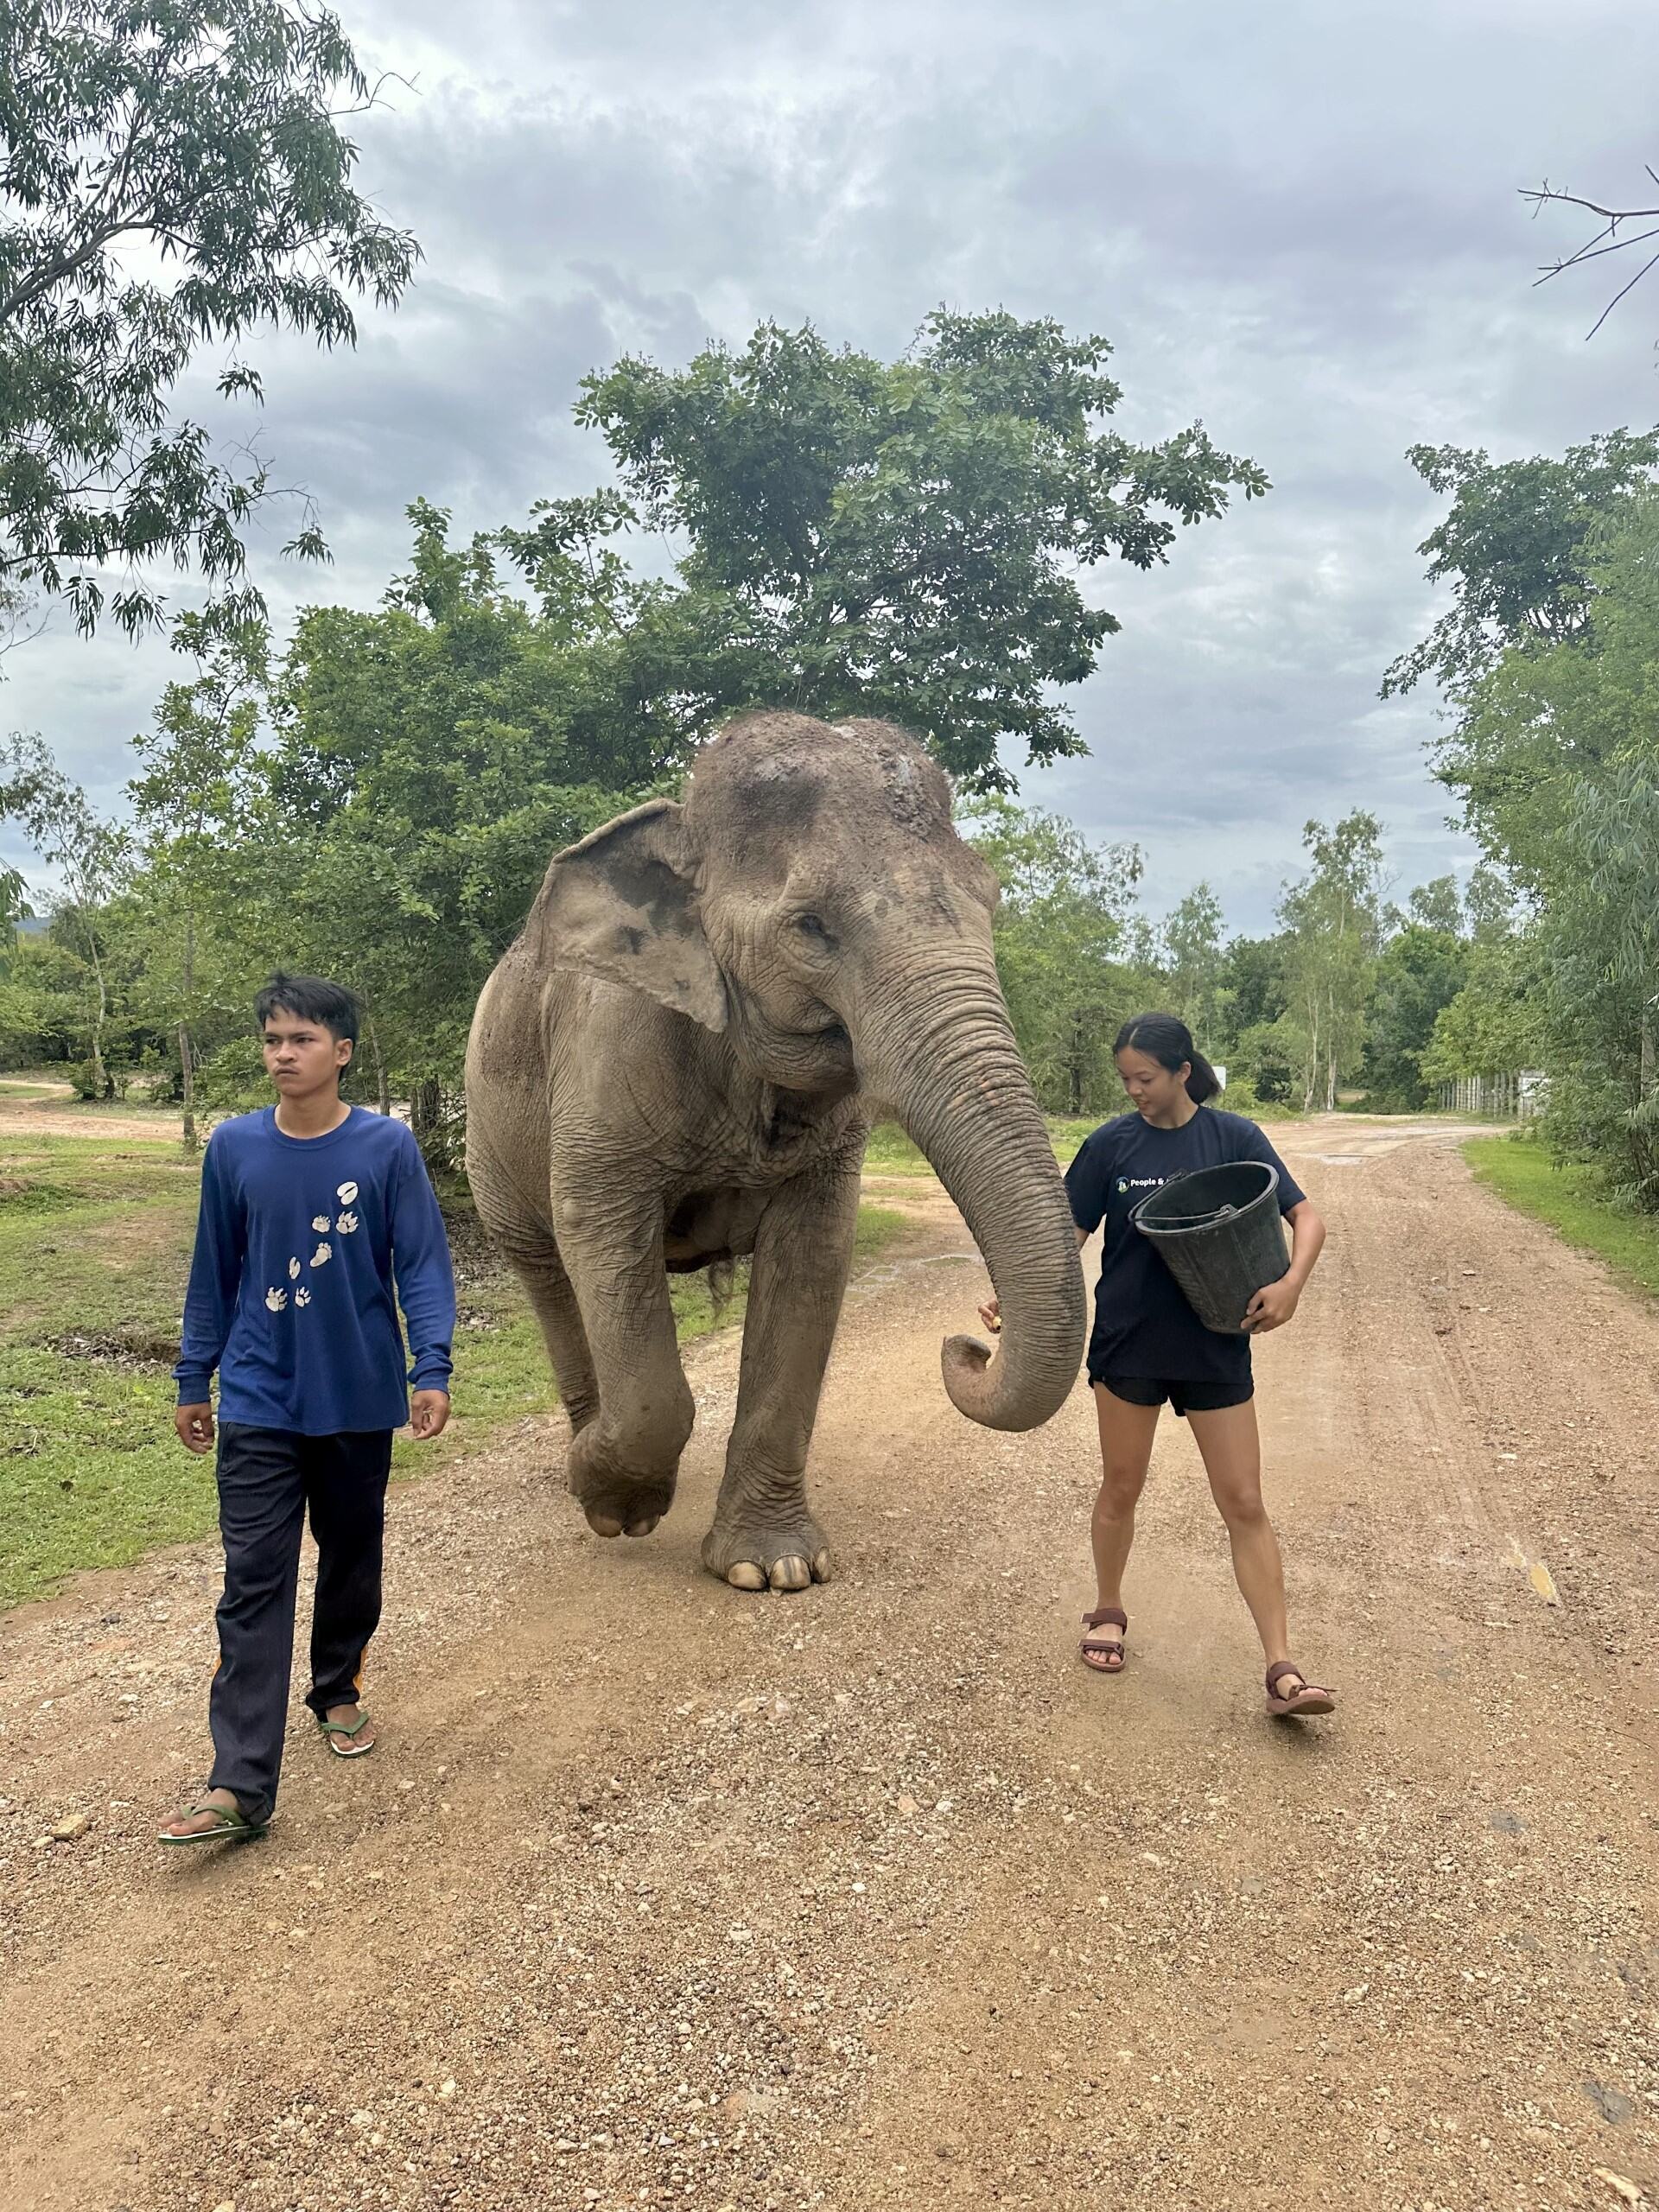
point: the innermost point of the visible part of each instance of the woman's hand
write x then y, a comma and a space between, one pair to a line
991, 1314
1272, 1306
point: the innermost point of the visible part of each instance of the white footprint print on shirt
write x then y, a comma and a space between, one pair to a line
320, 1223
301, 1297
323, 1254
345, 1193
346, 1225
275, 1300
293, 1270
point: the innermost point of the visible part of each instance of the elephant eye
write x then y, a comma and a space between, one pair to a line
810, 926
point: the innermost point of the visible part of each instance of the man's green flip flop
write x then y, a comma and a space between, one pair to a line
333, 1730
230, 1824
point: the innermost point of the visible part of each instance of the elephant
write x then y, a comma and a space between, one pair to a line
677, 1065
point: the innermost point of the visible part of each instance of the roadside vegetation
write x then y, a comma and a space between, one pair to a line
95, 1242
1572, 1197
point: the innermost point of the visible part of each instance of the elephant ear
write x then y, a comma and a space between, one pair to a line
623, 904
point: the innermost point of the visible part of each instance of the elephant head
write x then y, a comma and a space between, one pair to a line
811, 902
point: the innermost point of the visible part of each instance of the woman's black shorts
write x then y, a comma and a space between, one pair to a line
1185, 1397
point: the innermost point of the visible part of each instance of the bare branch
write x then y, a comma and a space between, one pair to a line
1544, 195
1608, 240
1594, 252
1617, 296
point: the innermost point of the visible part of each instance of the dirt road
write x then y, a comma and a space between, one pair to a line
659, 1894
46, 1107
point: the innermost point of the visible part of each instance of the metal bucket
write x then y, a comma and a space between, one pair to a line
1220, 1233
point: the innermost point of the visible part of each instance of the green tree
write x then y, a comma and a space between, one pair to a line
173, 176
1495, 1024
1436, 905
93, 859
1513, 547
901, 539
1061, 935
1420, 969
1251, 983
1488, 904
1190, 958
1602, 932
1334, 920
197, 801
427, 760
1555, 756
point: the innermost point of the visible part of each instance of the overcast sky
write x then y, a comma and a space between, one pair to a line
1297, 221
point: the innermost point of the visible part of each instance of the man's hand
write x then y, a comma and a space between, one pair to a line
429, 1414
195, 1427
1272, 1306
991, 1314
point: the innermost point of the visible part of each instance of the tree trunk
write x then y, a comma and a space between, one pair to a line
100, 1073
381, 1095
186, 1065
426, 1120
186, 1057
1647, 1067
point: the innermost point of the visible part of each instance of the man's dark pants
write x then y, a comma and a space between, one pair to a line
267, 1477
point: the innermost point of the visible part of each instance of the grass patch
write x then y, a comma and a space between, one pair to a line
1067, 1136
95, 1242
890, 1151
1571, 1201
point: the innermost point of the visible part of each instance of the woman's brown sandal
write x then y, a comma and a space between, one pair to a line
1308, 1697
1110, 1646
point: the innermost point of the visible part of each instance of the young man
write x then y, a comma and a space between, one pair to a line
307, 1207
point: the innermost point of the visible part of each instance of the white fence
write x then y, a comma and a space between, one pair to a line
1496, 1097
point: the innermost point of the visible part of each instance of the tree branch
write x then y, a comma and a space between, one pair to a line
1604, 241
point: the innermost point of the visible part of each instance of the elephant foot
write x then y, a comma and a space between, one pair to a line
752, 1554
617, 1500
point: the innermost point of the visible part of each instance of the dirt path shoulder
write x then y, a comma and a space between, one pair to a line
659, 1894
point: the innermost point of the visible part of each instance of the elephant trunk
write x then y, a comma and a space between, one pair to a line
944, 1056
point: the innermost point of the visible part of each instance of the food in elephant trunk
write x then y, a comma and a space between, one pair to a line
953, 1072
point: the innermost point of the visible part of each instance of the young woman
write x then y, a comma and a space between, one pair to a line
1148, 1346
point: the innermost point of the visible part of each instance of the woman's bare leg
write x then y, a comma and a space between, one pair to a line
1232, 1458
1126, 1434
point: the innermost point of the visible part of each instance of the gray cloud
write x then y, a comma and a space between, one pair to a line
1299, 223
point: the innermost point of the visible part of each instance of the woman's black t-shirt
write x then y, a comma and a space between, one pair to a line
1143, 1324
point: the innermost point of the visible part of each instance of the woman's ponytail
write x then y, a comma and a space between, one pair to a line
1203, 1083
1165, 1039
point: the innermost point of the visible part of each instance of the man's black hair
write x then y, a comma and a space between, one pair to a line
313, 998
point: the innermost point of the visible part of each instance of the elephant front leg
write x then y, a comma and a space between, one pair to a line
625, 1457
763, 1535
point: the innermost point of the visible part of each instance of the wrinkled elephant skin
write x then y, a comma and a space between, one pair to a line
674, 1067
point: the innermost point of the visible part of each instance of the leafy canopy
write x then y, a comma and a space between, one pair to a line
172, 177
1513, 546
901, 539
1059, 934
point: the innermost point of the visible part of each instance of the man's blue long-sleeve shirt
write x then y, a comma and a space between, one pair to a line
291, 1287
